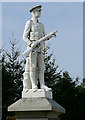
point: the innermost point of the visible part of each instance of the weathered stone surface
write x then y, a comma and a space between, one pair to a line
36, 104
38, 93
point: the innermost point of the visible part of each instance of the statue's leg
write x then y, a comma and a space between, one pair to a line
33, 65
26, 81
41, 67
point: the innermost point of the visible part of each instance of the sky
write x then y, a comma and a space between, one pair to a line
66, 17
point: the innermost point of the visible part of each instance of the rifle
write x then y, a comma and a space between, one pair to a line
46, 37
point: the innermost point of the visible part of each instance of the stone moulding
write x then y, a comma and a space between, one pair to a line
36, 104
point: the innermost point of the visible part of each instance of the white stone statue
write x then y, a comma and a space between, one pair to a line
34, 68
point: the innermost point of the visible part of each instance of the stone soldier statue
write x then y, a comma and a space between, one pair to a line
34, 68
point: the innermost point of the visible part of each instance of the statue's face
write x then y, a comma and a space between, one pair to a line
37, 13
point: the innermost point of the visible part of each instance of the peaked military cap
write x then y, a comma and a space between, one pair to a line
37, 7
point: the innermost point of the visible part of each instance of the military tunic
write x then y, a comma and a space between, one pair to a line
32, 33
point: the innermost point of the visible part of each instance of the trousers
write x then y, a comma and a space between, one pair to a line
36, 60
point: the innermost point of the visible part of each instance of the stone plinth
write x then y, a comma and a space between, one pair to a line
40, 108
38, 93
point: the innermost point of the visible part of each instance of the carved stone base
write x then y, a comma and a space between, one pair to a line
36, 109
38, 93
26, 106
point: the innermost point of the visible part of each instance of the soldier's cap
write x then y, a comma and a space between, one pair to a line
35, 8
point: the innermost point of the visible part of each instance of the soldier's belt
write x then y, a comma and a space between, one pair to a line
33, 40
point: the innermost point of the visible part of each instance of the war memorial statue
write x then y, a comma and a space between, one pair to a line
34, 36
35, 104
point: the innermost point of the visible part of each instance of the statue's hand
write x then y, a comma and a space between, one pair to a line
31, 44
54, 35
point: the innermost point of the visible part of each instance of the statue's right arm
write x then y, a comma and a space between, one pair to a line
27, 32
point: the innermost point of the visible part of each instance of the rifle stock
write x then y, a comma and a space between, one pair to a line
27, 52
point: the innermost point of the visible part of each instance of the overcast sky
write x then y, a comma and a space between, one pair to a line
66, 17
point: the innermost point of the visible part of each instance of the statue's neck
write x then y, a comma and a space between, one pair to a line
35, 20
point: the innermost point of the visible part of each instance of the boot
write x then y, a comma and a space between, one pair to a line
42, 83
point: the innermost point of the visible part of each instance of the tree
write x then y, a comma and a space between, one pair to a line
50, 74
66, 91
12, 69
0, 83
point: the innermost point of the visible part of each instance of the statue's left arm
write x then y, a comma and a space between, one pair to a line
27, 32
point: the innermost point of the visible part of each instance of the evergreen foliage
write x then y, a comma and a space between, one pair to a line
66, 91
12, 69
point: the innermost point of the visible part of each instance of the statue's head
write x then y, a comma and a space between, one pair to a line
36, 11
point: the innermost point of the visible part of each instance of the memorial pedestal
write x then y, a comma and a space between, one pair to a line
38, 93
36, 108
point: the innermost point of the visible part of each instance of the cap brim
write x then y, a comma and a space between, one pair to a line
38, 7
